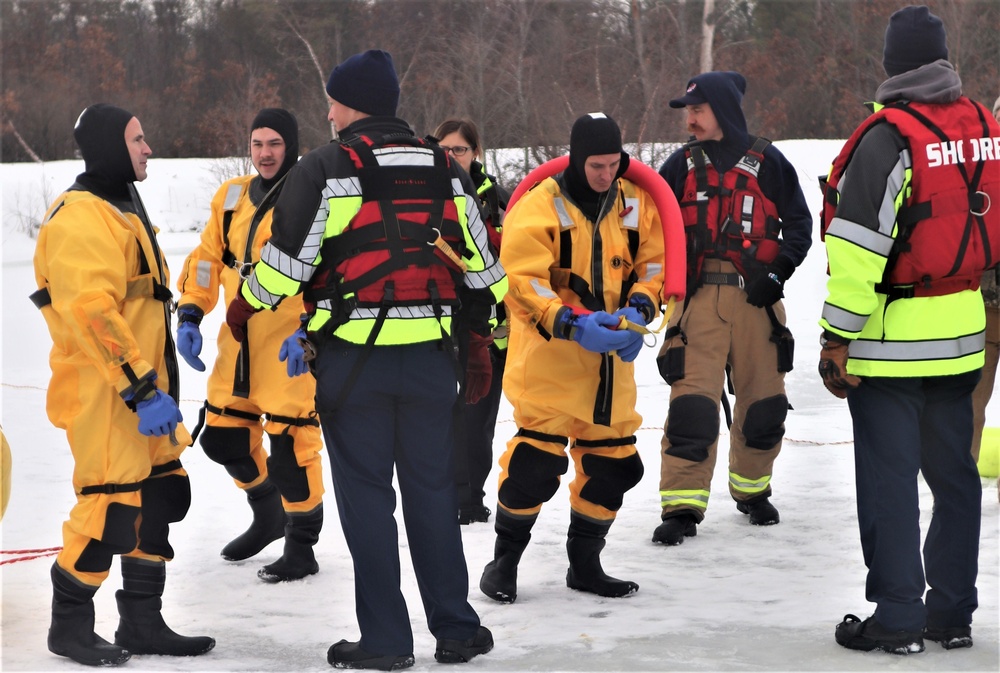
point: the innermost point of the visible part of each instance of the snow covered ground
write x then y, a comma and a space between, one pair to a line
734, 598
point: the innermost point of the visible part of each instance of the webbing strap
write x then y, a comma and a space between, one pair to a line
111, 489
542, 437
597, 443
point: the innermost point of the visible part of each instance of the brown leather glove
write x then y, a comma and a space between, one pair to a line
833, 366
479, 368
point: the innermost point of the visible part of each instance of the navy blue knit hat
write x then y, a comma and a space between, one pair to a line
913, 38
367, 83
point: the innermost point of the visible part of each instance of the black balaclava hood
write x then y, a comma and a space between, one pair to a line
285, 125
723, 91
594, 133
100, 133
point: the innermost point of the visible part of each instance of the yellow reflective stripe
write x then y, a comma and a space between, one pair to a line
750, 486
697, 498
342, 211
272, 281
394, 332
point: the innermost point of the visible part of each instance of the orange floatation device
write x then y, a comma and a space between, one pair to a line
674, 244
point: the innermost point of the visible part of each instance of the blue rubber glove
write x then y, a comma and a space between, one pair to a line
158, 415
293, 355
631, 351
189, 345
598, 332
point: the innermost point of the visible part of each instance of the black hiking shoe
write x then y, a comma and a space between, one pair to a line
869, 635
674, 529
762, 512
344, 654
951, 638
461, 651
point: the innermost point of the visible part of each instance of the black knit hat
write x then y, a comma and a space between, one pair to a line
284, 124
594, 133
367, 83
913, 38
100, 133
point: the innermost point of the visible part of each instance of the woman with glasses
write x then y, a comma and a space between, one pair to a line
474, 423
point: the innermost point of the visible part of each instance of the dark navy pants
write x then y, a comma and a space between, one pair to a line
475, 425
397, 414
902, 426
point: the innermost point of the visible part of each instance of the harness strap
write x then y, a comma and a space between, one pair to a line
111, 489
597, 443
366, 351
164, 468
542, 437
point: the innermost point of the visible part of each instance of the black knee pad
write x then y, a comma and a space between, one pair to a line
532, 477
610, 478
291, 480
764, 425
164, 501
692, 426
230, 447
118, 537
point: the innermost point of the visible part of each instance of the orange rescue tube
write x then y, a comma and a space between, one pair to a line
674, 245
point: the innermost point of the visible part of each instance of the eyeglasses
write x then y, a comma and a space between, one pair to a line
457, 150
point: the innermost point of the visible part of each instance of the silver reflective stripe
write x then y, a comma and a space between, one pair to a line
861, 236
342, 187
262, 295
652, 270
843, 320
400, 312
285, 264
404, 155
631, 219
747, 221
542, 290
565, 221
893, 186
915, 351
203, 274
232, 197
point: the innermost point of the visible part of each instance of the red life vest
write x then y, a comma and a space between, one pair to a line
948, 233
732, 220
386, 256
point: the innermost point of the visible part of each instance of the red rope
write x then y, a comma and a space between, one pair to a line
29, 551
30, 557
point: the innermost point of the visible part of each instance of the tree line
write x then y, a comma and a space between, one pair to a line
196, 71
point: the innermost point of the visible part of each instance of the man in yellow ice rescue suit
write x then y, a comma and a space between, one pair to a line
251, 392
584, 250
104, 293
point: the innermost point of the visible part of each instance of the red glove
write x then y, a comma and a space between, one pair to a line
238, 315
833, 368
478, 369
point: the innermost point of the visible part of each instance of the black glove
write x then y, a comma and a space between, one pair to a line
766, 288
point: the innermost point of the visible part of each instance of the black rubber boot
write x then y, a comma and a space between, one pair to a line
267, 526
298, 560
584, 543
141, 629
72, 631
674, 529
499, 580
760, 510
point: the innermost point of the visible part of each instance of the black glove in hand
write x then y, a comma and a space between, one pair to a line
766, 288
833, 368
